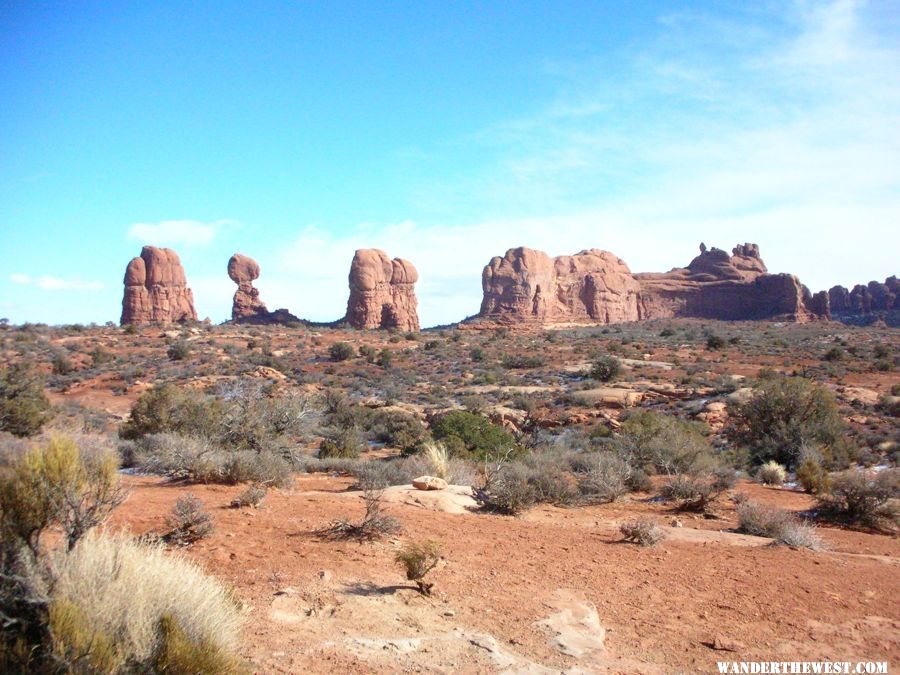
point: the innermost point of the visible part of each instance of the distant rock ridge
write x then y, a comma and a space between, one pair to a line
866, 303
156, 289
382, 292
594, 286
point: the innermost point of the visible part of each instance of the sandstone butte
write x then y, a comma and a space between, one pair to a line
594, 286
874, 297
156, 289
382, 292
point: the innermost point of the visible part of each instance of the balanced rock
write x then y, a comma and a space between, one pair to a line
156, 289
382, 292
246, 305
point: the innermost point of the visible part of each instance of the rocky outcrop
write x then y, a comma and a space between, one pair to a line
382, 292
594, 286
246, 307
867, 303
156, 289
528, 285
718, 286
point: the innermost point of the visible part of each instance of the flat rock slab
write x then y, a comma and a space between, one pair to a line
574, 625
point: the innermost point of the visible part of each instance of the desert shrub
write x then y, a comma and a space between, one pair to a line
605, 480
100, 356
714, 342
125, 607
374, 524
759, 520
58, 484
251, 496
385, 358
660, 443
521, 361
417, 559
380, 474
771, 473
341, 351
397, 429
477, 354
606, 368
169, 408
783, 415
264, 468
510, 492
24, 407
201, 461
550, 480
813, 477
863, 498
345, 443
473, 434
643, 532
778, 524
60, 363
179, 350
698, 492
189, 522
834, 354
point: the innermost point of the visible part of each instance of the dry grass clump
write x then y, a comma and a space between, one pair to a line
773, 523
252, 496
374, 525
188, 520
643, 532
771, 473
118, 605
417, 559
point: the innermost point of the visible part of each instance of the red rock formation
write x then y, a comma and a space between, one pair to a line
246, 305
597, 287
528, 285
382, 292
156, 289
867, 303
718, 286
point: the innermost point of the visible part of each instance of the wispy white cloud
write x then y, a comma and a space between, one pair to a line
50, 283
783, 129
174, 232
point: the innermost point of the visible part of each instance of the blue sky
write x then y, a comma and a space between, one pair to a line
442, 132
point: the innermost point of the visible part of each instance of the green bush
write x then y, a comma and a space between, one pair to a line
398, 430
344, 443
24, 407
341, 351
473, 434
169, 408
660, 443
783, 415
58, 484
606, 368
714, 342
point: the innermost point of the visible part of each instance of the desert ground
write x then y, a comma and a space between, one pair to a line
552, 588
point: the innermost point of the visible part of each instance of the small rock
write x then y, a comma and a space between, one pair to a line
429, 483
724, 644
